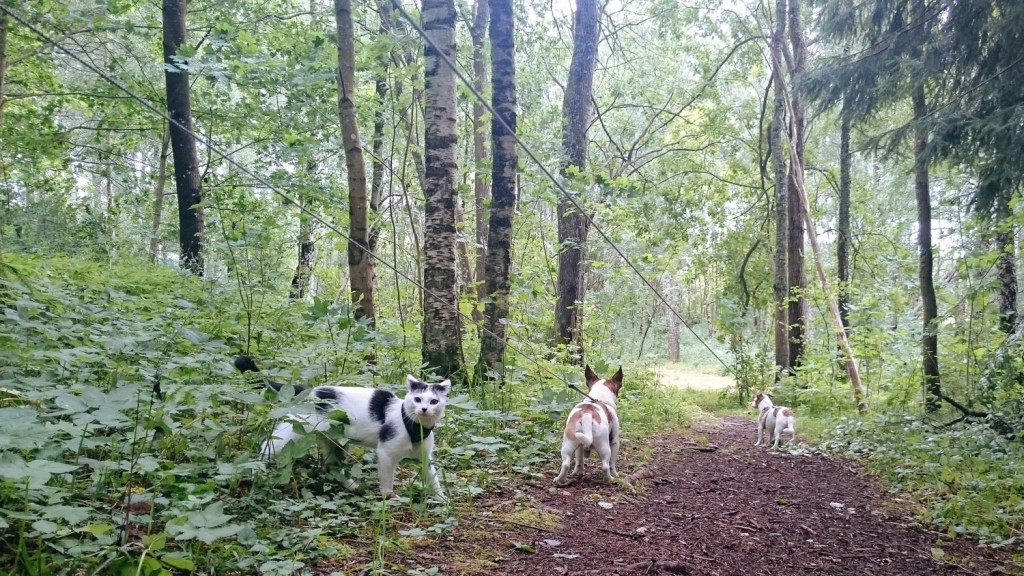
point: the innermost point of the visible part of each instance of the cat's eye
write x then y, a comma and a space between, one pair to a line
434, 401
416, 399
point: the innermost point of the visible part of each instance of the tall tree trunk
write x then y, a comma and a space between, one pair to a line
852, 371
573, 226
931, 382
843, 225
158, 195
780, 286
360, 261
183, 144
795, 261
379, 122
481, 188
442, 344
3, 64
1006, 268
503, 178
307, 258
673, 326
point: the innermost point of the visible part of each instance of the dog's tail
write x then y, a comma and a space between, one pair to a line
585, 430
247, 364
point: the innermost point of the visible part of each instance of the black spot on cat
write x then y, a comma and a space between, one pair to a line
379, 404
417, 386
386, 433
326, 398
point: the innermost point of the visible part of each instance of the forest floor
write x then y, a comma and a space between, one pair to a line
703, 503
677, 375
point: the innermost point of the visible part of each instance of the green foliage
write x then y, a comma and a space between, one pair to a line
97, 473
967, 479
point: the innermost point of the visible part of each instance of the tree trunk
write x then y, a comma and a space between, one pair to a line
3, 64
844, 241
795, 260
852, 372
573, 226
1006, 269
673, 327
931, 382
503, 179
379, 122
307, 257
442, 341
780, 286
183, 144
360, 261
481, 188
158, 195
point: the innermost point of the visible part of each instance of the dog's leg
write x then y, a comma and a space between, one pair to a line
605, 452
581, 455
760, 429
615, 457
568, 448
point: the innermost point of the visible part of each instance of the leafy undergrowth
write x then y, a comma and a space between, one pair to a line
967, 479
100, 475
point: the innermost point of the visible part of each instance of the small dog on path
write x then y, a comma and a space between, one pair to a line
773, 420
593, 423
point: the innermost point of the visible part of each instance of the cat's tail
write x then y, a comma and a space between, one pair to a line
585, 430
247, 364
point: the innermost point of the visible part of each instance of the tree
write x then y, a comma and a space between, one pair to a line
574, 225
503, 187
442, 344
183, 144
844, 238
780, 286
360, 259
481, 188
797, 313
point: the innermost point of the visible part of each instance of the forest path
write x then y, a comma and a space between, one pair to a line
708, 503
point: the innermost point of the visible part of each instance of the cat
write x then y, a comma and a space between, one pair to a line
396, 427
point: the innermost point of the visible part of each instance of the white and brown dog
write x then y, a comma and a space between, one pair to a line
593, 423
773, 420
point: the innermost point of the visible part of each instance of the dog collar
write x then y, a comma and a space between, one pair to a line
416, 431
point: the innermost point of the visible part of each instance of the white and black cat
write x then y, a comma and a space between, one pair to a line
397, 428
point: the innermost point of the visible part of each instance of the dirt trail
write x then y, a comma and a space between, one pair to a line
708, 505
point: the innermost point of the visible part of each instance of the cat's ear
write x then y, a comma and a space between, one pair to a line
414, 383
590, 377
442, 388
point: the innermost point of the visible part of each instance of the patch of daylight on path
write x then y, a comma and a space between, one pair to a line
682, 377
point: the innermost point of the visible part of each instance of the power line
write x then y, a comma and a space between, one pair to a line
257, 178
558, 184
529, 152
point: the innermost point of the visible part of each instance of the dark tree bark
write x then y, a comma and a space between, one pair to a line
306, 261
503, 179
3, 64
183, 143
930, 330
442, 343
930, 334
379, 123
158, 195
1006, 269
778, 142
573, 226
481, 187
795, 261
360, 261
844, 241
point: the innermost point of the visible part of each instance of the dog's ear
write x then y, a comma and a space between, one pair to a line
589, 375
615, 382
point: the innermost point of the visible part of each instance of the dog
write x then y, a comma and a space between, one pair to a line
593, 423
773, 420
